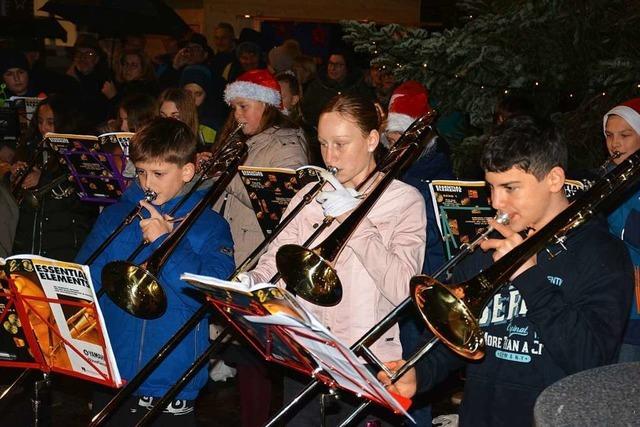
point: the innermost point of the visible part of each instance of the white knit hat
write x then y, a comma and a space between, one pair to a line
259, 85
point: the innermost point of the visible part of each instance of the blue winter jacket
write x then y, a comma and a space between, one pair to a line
207, 249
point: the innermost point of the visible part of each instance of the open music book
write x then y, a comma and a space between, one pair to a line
464, 207
333, 363
96, 163
51, 321
271, 189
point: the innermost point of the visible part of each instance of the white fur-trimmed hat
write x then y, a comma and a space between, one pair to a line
630, 111
409, 101
259, 85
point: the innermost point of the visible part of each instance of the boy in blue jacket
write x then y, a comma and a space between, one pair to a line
558, 315
164, 154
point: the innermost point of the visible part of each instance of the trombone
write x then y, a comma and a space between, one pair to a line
422, 126
452, 311
191, 323
135, 288
406, 150
310, 273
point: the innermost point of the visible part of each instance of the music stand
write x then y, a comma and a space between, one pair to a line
294, 339
97, 174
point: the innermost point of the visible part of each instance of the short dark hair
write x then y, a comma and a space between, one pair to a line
164, 139
522, 143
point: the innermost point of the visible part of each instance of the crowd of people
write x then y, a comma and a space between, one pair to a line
573, 311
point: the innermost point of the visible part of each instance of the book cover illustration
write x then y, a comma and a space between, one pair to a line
464, 208
271, 189
65, 331
95, 167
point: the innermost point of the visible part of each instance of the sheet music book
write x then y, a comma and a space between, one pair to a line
333, 362
464, 208
51, 321
96, 163
271, 189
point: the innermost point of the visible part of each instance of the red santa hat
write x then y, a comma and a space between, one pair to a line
408, 102
630, 111
259, 85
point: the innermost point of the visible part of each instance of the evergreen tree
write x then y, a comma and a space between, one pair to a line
575, 59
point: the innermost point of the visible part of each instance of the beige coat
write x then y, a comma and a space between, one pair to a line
375, 267
274, 147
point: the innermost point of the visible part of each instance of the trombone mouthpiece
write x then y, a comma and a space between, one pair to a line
502, 218
332, 170
150, 195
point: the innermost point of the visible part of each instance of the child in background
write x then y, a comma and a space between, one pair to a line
179, 104
274, 141
207, 94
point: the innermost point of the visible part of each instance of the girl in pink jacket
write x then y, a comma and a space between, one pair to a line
385, 251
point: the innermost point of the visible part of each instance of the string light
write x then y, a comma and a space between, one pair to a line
536, 83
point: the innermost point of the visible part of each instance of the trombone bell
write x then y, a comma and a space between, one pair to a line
310, 276
446, 309
134, 289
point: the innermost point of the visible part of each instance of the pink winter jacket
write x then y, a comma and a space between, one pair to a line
375, 267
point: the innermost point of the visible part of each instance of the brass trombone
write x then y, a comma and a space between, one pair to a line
397, 158
135, 288
451, 311
406, 150
309, 273
191, 323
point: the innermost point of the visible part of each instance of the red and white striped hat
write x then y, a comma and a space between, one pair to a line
259, 85
409, 101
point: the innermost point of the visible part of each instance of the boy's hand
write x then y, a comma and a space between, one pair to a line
156, 226
503, 246
405, 386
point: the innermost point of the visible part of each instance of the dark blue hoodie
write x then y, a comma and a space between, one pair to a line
562, 316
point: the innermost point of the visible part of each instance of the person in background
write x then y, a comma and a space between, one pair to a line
206, 91
340, 77
622, 133
305, 68
58, 225
279, 60
561, 312
248, 57
291, 95
194, 50
179, 104
90, 72
164, 155
382, 81
224, 43
14, 69
133, 74
273, 141
135, 111
409, 102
